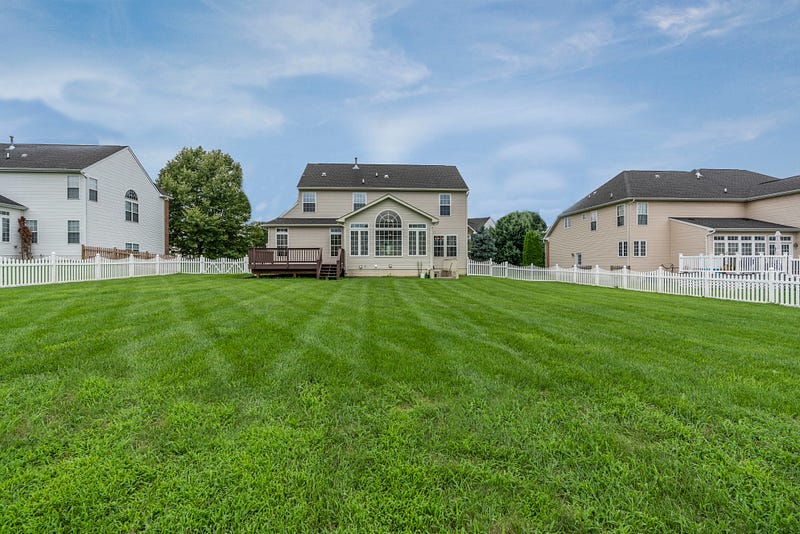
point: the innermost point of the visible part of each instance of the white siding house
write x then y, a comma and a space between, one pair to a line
74, 195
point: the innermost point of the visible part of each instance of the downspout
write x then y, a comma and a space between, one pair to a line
630, 222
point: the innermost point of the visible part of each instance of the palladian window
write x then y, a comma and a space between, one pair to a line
388, 234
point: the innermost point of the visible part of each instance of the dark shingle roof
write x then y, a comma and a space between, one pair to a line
302, 221
55, 157
476, 223
725, 223
7, 201
381, 176
716, 184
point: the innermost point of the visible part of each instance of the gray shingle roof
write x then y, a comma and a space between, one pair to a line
55, 157
726, 223
7, 201
716, 184
381, 176
476, 223
302, 221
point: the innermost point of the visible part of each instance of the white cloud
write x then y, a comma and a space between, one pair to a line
395, 135
719, 133
711, 18
542, 148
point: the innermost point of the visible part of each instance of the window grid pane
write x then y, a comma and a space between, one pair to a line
73, 231
452, 249
6, 230
359, 201
438, 246
444, 204
309, 202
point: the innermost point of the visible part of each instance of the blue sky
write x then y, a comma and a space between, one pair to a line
537, 103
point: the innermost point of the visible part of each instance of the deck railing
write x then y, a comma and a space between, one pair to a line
269, 257
739, 263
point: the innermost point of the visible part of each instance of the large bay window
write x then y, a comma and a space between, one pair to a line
388, 234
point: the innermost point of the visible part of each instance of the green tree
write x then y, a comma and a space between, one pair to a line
208, 211
509, 234
533, 251
483, 247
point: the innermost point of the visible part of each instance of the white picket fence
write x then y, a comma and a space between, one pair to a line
766, 287
55, 270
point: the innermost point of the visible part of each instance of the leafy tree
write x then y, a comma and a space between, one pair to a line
208, 211
533, 251
509, 234
483, 247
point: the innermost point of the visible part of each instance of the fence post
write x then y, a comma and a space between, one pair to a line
597, 275
706, 282
130, 266
771, 279
202, 265
180, 263
97, 267
158, 264
626, 271
660, 279
53, 271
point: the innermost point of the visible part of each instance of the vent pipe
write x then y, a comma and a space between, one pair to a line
11, 146
355, 167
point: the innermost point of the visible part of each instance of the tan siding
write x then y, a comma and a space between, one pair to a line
600, 247
686, 239
781, 210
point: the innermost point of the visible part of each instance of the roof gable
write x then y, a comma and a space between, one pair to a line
383, 199
53, 157
381, 176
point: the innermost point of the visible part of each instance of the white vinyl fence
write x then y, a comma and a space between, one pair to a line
766, 287
55, 270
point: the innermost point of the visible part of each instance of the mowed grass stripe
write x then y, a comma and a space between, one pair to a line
392, 404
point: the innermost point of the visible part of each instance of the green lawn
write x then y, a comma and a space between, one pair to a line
228, 403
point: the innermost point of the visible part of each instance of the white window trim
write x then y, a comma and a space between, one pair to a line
313, 203
449, 204
354, 200
642, 209
417, 230
622, 249
358, 229
567, 222
637, 248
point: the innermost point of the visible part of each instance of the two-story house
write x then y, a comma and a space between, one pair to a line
390, 220
644, 219
74, 195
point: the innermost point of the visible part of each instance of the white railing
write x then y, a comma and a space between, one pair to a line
55, 270
764, 287
739, 264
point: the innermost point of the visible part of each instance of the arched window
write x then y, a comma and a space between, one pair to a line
388, 234
131, 206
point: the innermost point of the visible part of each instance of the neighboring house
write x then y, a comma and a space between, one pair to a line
643, 219
74, 195
475, 224
391, 220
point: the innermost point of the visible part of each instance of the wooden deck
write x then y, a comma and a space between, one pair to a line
294, 261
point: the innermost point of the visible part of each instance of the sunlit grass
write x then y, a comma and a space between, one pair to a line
199, 403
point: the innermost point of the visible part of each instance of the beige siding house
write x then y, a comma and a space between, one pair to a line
75, 195
647, 219
390, 220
